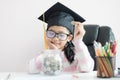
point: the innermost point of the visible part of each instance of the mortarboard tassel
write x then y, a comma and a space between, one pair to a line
44, 29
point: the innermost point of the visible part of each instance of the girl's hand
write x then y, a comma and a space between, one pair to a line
79, 31
52, 46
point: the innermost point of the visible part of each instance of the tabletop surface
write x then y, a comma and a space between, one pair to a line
62, 76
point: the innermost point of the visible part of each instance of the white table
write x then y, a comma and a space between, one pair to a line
4, 75
63, 76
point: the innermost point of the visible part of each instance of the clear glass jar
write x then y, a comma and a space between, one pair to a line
52, 62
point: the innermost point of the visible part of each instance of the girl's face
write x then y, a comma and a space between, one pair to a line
58, 36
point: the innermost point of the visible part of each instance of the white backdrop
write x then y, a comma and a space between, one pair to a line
21, 35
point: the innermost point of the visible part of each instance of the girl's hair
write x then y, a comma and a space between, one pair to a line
69, 51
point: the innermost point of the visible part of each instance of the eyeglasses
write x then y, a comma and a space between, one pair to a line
52, 34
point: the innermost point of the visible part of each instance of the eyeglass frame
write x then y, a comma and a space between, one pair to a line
57, 34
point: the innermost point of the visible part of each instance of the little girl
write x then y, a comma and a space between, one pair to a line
66, 34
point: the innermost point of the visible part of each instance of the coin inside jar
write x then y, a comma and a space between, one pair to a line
52, 63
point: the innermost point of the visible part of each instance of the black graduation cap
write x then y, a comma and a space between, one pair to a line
60, 15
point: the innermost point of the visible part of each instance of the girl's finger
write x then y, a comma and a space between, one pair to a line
52, 46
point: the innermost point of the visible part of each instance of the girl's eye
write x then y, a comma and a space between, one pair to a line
62, 36
50, 34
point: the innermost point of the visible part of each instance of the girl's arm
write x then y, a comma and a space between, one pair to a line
82, 55
35, 65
